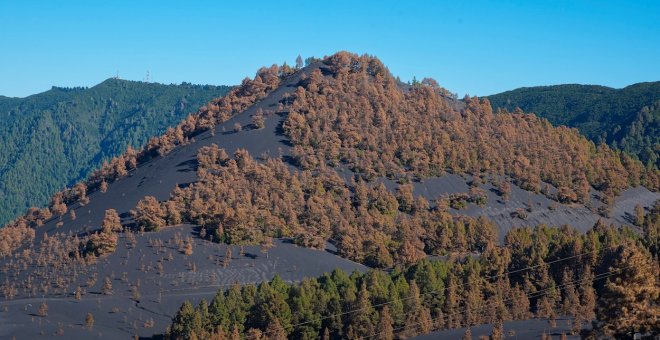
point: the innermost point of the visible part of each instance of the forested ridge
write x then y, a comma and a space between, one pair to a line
353, 113
359, 116
539, 272
21, 230
348, 124
627, 119
56, 138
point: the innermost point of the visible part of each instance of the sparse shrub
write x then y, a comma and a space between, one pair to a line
135, 293
478, 196
107, 287
159, 268
91, 281
605, 210
131, 240
459, 201
227, 258
149, 323
188, 246
89, 321
520, 213
258, 119
504, 189
43, 310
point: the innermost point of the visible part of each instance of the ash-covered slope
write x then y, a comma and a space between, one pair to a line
161, 289
332, 126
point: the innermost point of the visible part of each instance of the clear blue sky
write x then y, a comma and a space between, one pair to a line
475, 47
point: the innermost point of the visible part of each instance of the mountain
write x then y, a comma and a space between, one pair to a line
247, 216
55, 138
627, 119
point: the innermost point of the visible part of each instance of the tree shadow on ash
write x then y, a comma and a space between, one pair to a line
188, 166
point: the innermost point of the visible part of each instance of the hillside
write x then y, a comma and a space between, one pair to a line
626, 119
55, 138
243, 207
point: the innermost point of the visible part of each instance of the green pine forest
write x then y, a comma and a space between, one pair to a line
627, 119
56, 138
543, 272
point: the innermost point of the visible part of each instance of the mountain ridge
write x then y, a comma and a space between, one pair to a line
54, 138
333, 158
618, 117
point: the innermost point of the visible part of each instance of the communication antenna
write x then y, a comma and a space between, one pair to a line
148, 77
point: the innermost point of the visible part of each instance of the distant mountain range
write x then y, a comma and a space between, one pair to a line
55, 138
627, 119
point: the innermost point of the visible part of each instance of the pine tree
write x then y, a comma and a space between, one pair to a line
587, 295
498, 331
363, 322
468, 334
544, 307
630, 300
149, 214
182, 323
520, 305
639, 215
235, 335
418, 319
111, 221
227, 258
651, 229
451, 303
266, 244
275, 331
473, 297
255, 334
571, 300
271, 305
188, 246
385, 329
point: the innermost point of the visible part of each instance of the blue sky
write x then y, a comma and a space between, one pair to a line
475, 47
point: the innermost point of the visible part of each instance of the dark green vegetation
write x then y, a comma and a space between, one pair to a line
542, 272
56, 138
626, 119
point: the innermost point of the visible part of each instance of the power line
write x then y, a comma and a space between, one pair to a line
434, 291
529, 295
